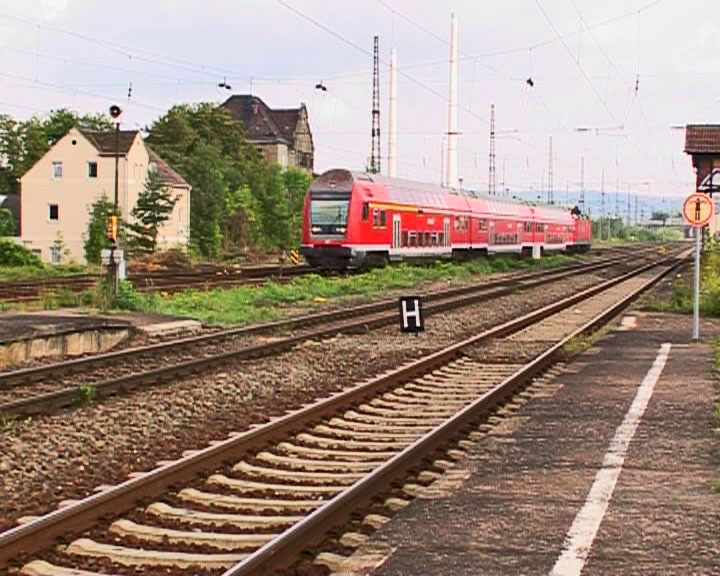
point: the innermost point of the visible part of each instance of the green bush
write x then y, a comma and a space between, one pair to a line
14, 254
126, 298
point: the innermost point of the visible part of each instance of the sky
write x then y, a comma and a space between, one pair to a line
614, 82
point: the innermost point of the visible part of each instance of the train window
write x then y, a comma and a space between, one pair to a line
460, 223
427, 238
383, 219
441, 238
413, 239
528, 227
435, 239
366, 211
421, 239
482, 224
404, 239
539, 227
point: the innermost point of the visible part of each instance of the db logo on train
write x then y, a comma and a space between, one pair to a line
698, 209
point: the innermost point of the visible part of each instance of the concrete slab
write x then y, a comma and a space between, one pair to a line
522, 488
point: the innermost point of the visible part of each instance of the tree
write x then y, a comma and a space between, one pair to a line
59, 249
240, 220
153, 208
7, 223
297, 182
24, 143
660, 215
96, 235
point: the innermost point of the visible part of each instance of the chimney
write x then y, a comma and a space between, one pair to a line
452, 175
392, 128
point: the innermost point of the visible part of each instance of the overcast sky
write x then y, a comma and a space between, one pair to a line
614, 81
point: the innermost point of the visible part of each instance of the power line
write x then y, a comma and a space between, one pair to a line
491, 166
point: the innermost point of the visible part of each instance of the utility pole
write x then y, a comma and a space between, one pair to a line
504, 186
491, 164
602, 203
550, 194
392, 117
636, 208
628, 204
375, 153
452, 135
582, 184
113, 265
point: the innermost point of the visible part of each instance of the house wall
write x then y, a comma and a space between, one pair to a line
75, 193
275, 153
302, 152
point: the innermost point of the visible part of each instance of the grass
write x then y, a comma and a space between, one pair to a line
21, 273
86, 393
271, 300
7, 424
681, 296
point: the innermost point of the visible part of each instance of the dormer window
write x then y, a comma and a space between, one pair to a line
57, 169
92, 169
152, 168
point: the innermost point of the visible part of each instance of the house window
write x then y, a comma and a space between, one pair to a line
55, 255
92, 169
57, 169
53, 213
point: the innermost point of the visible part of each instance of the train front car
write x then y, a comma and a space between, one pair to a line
334, 207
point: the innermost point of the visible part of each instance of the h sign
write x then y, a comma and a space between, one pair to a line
411, 319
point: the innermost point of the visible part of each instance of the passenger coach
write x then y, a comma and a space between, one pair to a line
354, 219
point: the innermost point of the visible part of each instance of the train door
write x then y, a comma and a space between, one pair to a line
446, 232
396, 231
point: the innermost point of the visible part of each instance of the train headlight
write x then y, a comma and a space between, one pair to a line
315, 229
341, 229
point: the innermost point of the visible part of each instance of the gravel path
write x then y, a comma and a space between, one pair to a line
66, 455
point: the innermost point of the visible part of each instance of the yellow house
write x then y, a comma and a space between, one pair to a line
57, 193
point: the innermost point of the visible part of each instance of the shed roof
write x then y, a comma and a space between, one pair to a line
702, 139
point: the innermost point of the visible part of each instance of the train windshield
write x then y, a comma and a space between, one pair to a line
329, 215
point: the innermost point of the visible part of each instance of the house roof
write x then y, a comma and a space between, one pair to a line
104, 142
262, 123
702, 139
11, 202
168, 175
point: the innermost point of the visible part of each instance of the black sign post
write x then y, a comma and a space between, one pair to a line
411, 317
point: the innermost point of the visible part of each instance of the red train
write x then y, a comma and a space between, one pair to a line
353, 219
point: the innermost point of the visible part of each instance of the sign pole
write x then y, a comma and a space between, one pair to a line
698, 210
696, 290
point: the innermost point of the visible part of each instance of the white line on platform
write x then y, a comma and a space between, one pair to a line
579, 538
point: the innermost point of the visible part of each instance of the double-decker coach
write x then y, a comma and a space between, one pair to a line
354, 219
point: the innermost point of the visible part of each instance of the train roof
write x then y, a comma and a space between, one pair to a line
426, 195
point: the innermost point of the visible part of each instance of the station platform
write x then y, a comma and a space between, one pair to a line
31, 336
609, 468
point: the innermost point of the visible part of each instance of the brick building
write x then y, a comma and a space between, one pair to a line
702, 143
283, 134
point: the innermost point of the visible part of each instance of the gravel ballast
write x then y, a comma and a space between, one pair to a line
66, 455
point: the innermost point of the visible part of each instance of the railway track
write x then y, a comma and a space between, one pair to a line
40, 389
250, 504
202, 279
